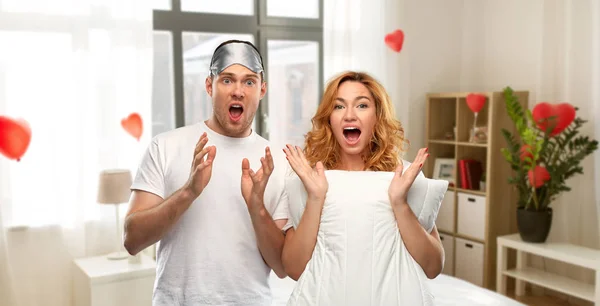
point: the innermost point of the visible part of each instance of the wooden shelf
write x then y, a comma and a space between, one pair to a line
458, 235
469, 191
472, 144
485, 215
555, 282
439, 141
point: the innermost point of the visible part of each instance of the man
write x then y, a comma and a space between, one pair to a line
196, 195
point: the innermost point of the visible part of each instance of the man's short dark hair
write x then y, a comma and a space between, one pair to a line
237, 41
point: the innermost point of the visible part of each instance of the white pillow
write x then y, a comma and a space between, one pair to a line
424, 197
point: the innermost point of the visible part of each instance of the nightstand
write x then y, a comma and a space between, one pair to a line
98, 281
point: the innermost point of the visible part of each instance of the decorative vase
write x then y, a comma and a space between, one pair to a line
534, 226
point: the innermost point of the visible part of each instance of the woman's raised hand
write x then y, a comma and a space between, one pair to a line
403, 180
314, 179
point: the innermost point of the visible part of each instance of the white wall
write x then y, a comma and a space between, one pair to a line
543, 46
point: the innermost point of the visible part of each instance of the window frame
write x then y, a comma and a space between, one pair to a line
261, 26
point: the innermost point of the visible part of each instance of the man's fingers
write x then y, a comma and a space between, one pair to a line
270, 162
201, 143
212, 152
199, 159
265, 168
245, 167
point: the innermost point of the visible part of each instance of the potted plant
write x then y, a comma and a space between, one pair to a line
546, 151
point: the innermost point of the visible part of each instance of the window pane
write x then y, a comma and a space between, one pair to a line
293, 9
163, 105
161, 4
60, 7
197, 52
293, 76
233, 7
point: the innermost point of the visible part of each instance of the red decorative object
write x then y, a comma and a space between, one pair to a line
133, 125
395, 40
15, 136
558, 116
538, 176
525, 152
476, 102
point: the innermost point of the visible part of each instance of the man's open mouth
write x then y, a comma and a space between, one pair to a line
235, 111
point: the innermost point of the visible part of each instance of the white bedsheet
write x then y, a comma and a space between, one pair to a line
447, 290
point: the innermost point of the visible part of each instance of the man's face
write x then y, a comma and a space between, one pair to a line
235, 95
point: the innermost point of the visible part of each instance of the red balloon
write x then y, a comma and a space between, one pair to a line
476, 102
395, 40
538, 176
15, 136
558, 116
133, 125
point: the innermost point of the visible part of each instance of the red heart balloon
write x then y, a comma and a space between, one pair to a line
538, 176
557, 116
395, 40
133, 125
15, 136
476, 102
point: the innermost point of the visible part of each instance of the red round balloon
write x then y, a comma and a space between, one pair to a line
15, 137
133, 125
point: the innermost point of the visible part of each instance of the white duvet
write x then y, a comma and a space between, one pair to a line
359, 257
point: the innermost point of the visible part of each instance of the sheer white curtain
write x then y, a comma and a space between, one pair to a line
73, 69
354, 40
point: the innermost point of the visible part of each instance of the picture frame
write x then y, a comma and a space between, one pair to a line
444, 170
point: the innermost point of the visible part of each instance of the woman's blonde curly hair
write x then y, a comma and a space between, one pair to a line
387, 141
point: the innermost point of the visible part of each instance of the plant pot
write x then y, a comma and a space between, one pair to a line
534, 226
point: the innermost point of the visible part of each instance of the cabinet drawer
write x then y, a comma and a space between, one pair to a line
469, 261
448, 244
445, 218
471, 215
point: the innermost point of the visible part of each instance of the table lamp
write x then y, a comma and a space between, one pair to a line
113, 188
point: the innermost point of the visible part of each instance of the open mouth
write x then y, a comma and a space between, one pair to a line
235, 112
352, 134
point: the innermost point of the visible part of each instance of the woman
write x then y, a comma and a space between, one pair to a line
332, 250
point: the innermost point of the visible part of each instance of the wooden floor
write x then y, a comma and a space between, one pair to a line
533, 300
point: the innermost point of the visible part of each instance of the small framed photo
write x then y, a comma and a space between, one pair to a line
444, 169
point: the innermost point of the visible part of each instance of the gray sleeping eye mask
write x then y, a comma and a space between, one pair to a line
236, 53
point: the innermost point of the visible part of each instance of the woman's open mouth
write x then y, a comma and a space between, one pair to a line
352, 135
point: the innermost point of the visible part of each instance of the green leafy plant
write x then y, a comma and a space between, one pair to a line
541, 160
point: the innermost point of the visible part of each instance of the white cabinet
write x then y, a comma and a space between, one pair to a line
469, 261
471, 215
98, 281
445, 218
448, 244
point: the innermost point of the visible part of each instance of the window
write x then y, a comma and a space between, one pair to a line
289, 36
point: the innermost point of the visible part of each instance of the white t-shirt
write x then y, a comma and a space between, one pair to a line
211, 256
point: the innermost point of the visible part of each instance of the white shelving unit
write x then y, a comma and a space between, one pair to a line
564, 252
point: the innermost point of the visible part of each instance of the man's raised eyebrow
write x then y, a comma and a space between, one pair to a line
229, 74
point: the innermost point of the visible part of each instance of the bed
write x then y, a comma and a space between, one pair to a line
447, 290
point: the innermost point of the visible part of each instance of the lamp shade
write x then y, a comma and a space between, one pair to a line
113, 186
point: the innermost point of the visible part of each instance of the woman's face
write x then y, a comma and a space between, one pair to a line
353, 118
